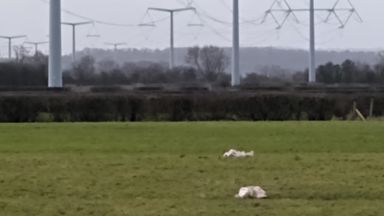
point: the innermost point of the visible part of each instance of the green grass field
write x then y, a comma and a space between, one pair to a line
138, 169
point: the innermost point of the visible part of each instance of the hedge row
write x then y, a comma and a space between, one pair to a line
181, 107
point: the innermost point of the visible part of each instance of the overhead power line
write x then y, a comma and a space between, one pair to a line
115, 46
101, 22
36, 45
74, 25
171, 13
10, 38
283, 6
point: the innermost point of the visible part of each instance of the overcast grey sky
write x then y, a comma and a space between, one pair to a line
31, 17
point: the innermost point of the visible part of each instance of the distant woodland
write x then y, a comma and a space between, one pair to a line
207, 65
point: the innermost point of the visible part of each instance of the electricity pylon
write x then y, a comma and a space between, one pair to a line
236, 45
115, 48
172, 47
284, 7
74, 25
36, 45
115, 45
10, 38
55, 78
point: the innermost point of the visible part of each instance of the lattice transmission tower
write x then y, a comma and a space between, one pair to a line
283, 6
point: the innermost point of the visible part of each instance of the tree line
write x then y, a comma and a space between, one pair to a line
351, 72
202, 65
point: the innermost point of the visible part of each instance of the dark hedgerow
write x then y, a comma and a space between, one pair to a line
207, 106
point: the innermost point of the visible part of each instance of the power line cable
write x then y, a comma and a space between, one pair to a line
102, 22
214, 30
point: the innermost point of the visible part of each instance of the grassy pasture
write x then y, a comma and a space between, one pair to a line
162, 169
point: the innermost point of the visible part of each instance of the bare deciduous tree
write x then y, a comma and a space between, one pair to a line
209, 60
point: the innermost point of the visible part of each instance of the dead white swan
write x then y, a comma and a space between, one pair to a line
254, 192
238, 154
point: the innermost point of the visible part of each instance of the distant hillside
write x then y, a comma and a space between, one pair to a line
252, 59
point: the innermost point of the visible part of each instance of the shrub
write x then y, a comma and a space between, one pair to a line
189, 106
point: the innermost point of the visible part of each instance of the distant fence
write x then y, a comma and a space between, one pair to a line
193, 106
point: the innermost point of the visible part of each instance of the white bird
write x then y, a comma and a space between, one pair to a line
251, 192
238, 154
